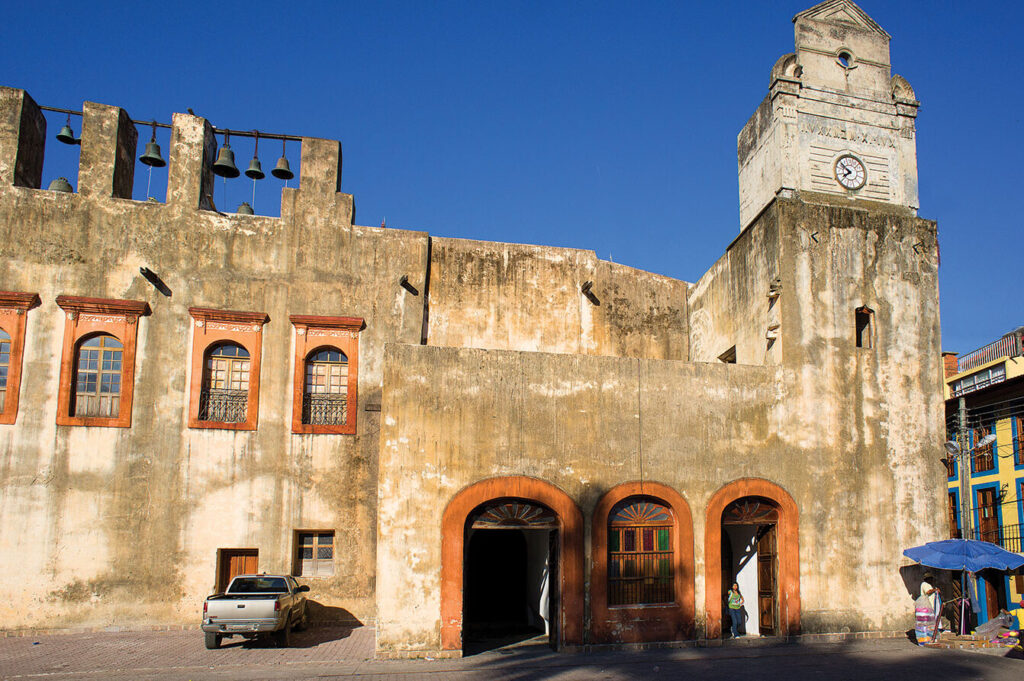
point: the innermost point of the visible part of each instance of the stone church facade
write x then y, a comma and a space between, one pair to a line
449, 438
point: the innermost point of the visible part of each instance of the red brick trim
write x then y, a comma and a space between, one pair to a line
636, 624
312, 333
13, 309
570, 560
86, 317
215, 326
789, 552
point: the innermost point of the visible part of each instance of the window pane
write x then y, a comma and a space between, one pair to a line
648, 540
628, 540
327, 539
306, 552
663, 544
613, 540
325, 552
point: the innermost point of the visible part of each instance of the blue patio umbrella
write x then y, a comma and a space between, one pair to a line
964, 554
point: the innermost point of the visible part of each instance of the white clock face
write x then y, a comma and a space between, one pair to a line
850, 172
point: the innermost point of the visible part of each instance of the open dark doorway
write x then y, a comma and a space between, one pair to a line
510, 576
750, 558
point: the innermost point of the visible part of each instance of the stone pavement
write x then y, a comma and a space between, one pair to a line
334, 653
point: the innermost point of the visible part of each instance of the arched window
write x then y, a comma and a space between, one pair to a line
225, 393
325, 395
5, 365
640, 553
98, 377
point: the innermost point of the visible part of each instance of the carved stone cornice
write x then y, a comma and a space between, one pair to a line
206, 314
314, 322
133, 309
23, 302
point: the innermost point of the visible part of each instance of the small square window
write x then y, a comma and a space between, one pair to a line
314, 554
863, 317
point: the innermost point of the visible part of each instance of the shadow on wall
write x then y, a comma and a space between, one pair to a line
321, 615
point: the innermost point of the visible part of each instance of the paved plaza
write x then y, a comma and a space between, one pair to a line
337, 653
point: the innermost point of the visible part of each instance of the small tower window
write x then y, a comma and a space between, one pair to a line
864, 317
729, 356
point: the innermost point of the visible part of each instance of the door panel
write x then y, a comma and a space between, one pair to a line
767, 561
234, 562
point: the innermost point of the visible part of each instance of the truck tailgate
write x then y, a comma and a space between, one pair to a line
230, 608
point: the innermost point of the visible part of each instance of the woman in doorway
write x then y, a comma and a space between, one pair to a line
735, 609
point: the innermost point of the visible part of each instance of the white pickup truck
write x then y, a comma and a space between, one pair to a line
256, 605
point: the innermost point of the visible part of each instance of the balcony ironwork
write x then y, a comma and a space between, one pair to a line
1007, 537
223, 406
325, 409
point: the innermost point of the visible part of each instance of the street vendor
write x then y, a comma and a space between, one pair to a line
927, 608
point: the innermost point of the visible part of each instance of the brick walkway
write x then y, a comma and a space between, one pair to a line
332, 654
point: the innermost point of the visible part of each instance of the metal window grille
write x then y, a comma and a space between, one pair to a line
640, 565
325, 409
316, 554
325, 398
223, 406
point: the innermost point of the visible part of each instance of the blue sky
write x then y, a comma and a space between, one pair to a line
602, 125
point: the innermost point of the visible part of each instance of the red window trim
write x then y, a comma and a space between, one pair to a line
13, 314
312, 332
212, 326
88, 316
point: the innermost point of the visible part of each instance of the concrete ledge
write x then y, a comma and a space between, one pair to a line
417, 654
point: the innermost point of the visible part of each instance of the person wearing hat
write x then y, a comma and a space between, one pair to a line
927, 608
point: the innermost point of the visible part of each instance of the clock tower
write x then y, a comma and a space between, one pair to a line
835, 120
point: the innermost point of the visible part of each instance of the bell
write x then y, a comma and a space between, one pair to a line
254, 170
67, 135
245, 209
152, 156
225, 163
61, 184
282, 171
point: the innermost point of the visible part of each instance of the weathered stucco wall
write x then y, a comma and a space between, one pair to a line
111, 525
850, 433
730, 305
122, 526
520, 297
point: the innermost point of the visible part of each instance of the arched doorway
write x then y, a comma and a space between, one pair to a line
650, 617
751, 536
510, 572
750, 558
507, 542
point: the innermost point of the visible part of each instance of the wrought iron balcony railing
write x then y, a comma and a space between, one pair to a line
1007, 537
325, 409
223, 406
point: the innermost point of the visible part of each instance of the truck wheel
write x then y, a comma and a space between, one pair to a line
212, 640
284, 637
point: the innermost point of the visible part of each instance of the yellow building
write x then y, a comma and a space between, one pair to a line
984, 392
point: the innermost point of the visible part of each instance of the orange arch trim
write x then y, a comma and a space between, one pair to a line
635, 624
789, 552
570, 559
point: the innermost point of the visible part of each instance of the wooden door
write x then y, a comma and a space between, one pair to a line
993, 595
234, 562
554, 602
988, 521
767, 559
